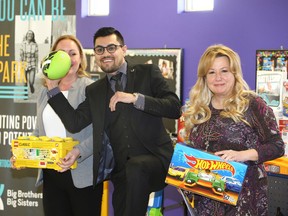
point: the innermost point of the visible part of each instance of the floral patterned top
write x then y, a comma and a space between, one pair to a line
222, 134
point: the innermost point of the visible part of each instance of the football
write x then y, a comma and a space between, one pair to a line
56, 65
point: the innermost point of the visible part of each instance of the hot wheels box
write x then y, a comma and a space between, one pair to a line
41, 152
206, 174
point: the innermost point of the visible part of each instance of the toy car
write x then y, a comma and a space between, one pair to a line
205, 178
177, 172
232, 184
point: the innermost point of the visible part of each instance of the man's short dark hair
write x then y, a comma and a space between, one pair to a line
106, 31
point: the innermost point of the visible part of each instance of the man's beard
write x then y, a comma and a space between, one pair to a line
109, 70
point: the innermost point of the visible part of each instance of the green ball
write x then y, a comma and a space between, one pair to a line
56, 65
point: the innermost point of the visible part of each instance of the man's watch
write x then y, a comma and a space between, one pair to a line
136, 95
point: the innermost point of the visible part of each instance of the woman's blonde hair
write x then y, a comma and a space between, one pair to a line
198, 110
83, 64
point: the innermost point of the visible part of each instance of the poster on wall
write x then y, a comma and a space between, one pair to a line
271, 76
269, 88
28, 28
272, 60
272, 86
168, 60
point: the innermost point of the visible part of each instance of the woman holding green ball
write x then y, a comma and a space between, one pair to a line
68, 191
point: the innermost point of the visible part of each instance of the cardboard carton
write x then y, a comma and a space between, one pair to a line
277, 166
206, 174
41, 152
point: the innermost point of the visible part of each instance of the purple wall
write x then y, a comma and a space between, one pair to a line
244, 25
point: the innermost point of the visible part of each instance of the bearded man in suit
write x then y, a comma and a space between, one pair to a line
131, 146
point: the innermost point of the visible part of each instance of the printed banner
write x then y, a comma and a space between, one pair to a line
28, 28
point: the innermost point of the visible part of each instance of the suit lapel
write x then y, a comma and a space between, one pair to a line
101, 99
130, 79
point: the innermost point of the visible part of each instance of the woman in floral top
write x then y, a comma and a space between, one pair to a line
226, 118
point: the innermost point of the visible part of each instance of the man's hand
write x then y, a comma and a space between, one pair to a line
121, 97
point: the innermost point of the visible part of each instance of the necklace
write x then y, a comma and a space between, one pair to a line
208, 134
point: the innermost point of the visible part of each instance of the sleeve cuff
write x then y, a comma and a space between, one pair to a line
51, 93
140, 102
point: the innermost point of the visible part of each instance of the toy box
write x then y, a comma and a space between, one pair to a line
206, 174
41, 152
277, 166
155, 203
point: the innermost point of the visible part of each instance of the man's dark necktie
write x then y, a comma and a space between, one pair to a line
118, 84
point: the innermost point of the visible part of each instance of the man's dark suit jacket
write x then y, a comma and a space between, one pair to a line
160, 102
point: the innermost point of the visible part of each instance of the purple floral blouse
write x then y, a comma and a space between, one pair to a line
222, 134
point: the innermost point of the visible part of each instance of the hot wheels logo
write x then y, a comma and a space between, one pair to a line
208, 164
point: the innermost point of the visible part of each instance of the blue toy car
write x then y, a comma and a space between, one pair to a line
232, 184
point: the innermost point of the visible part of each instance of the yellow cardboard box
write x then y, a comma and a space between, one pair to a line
41, 152
278, 166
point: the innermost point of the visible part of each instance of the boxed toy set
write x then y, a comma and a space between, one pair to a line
206, 174
277, 166
280, 165
41, 152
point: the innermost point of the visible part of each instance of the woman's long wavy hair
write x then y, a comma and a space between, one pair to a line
200, 96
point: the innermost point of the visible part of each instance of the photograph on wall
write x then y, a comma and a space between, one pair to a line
168, 60
271, 72
95, 71
269, 87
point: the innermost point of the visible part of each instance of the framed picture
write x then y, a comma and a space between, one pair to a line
92, 67
168, 60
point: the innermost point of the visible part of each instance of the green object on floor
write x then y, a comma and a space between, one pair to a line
155, 212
